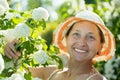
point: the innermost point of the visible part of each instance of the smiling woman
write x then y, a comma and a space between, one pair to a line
82, 39
85, 39
108, 48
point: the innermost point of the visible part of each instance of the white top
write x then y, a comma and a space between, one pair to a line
86, 79
93, 76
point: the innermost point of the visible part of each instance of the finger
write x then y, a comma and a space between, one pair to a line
7, 54
10, 51
17, 55
6, 51
13, 53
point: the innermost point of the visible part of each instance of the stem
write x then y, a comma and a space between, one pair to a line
15, 63
32, 31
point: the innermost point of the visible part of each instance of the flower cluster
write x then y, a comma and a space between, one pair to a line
21, 30
1, 64
111, 68
3, 6
40, 57
40, 13
21, 26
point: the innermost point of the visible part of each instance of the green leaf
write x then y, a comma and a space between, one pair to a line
8, 72
28, 76
54, 49
43, 24
57, 59
31, 23
17, 20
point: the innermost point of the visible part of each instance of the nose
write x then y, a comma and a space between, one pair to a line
81, 42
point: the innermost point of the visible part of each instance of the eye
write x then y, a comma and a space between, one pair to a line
91, 37
76, 34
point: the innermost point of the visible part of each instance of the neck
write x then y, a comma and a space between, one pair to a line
77, 67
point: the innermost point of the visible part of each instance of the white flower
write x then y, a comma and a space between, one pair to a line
39, 46
118, 36
117, 63
115, 3
6, 78
36, 79
17, 15
40, 13
1, 64
4, 3
21, 30
8, 35
53, 15
40, 57
107, 15
9, 15
81, 4
19, 75
3, 6
57, 3
2, 32
109, 68
9, 64
2, 10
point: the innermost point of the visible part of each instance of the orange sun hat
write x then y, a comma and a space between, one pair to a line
108, 49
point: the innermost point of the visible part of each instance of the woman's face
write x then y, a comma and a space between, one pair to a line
83, 41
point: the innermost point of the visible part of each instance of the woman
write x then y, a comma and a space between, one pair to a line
86, 39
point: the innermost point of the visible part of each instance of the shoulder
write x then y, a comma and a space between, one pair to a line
97, 76
58, 74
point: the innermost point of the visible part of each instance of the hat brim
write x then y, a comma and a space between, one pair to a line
108, 49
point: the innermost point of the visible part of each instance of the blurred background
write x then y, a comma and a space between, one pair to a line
59, 10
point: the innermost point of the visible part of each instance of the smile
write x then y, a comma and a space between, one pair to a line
79, 50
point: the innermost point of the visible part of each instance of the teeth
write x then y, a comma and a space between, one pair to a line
78, 50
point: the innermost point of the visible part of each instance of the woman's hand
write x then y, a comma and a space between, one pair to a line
10, 51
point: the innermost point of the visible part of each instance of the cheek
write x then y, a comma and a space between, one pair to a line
69, 42
94, 47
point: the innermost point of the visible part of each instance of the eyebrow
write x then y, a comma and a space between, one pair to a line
88, 32
77, 30
91, 33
